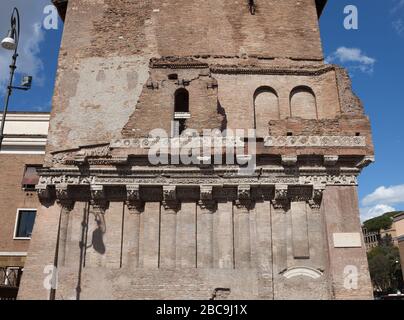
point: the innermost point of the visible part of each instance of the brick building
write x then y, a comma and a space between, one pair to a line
118, 226
22, 153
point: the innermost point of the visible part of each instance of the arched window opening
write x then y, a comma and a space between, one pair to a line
181, 100
303, 103
266, 108
181, 110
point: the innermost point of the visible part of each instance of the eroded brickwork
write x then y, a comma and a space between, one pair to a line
131, 230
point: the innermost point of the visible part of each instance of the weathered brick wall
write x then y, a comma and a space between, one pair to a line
105, 53
13, 197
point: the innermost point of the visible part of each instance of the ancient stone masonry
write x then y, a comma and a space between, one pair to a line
123, 227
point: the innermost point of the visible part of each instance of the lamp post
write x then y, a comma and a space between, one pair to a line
10, 42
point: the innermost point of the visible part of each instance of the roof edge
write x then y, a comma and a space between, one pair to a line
320, 4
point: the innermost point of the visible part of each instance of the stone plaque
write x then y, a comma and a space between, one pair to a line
347, 240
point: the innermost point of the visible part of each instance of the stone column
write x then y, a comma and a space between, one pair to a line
149, 244
223, 236
242, 241
300, 235
263, 238
347, 253
205, 211
131, 234
186, 236
71, 251
168, 234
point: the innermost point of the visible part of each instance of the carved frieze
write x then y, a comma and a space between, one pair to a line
315, 141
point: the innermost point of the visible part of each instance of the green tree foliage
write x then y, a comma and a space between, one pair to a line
382, 222
384, 267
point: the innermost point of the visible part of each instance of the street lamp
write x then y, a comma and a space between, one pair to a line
10, 42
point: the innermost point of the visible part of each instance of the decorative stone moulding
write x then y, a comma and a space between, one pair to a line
315, 141
330, 161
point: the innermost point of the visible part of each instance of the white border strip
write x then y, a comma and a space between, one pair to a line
12, 254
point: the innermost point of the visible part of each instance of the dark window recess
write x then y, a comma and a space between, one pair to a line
25, 223
31, 177
181, 100
252, 6
173, 76
10, 278
289, 134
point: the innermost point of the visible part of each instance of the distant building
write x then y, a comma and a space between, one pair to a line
399, 225
21, 155
371, 238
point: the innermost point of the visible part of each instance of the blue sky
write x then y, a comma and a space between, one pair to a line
373, 54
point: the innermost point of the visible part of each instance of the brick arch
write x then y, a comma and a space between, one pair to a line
303, 103
266, 108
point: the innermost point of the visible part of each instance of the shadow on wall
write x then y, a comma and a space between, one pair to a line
222, 112
97, 240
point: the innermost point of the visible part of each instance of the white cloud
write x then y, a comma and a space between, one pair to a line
29, 61
375, 211
382, 200
390, 195
352, 58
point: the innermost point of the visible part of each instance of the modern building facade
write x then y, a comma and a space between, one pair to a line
132, 210
21, 155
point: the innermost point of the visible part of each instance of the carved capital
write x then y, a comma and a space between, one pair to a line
171, 205
169, 193
244, 204
135, 206
281, 204
315, 202
281, 191
43, 192
289, 160
98, 199
244, 192
133, 192
62, 192
330, 160
208, 205
206, 192
97, 192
